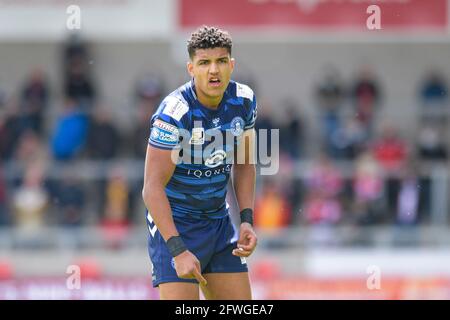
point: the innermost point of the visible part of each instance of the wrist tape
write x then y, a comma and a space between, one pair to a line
247, 216
176, 245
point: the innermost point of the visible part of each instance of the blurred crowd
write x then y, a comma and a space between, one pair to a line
362, 169
42, 178
359, 170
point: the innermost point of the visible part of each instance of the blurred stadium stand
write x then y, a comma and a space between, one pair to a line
363, 169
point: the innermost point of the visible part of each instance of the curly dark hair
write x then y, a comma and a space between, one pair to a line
207, 38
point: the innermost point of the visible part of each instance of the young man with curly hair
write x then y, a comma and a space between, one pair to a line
208, 124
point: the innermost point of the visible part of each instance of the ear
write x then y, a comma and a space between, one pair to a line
232, 62
190, 68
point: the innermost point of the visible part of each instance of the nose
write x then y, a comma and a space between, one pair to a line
213, 68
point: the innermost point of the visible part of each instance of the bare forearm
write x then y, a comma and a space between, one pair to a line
244, 176
157, 204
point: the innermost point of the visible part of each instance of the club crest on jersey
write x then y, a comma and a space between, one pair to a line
237, 126
198, 136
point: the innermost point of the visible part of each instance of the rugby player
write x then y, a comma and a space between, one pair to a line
192, 241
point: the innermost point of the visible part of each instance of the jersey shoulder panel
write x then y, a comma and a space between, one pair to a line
249, 102
244, 91
174, 106
168, 120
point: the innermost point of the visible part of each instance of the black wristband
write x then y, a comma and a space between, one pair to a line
176, 245
247, 216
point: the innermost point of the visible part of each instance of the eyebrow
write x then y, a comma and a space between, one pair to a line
206, 59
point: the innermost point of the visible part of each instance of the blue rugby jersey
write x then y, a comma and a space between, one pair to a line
199, 183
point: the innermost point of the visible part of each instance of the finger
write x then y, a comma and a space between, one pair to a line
199, 277
241, 252
250, 246
246, 247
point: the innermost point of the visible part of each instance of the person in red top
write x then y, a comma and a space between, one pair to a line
390, 150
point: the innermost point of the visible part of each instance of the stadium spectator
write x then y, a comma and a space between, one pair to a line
11, 130
324, 185
27, 184
272, 210
149, 88
69, 198
30, 199
350, 139
292, 132
434, 89
408, 198
368, 187
366, 97
322, 210
34, 101
103, 143
265, 121
30, 150
75, 48
79, 86
70, 132
408, 206
389, 149
431, 144
115, 222
141, 132
329, 96
103, 140
391, 152
324, 178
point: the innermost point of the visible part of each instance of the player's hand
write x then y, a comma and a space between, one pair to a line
247, 241
188, 267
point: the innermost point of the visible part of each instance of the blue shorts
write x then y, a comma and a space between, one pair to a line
210, 240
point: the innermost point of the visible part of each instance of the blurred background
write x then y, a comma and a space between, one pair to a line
359, 208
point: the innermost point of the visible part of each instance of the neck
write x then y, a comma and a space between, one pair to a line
211, 103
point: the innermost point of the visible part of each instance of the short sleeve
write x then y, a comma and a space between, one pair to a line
245, 92
166, 123
251, 114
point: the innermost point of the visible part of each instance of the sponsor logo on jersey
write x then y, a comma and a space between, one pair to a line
164, 133
208, 173
244, 91
175, 108
237, 126
198, 136
165, 126
215, 159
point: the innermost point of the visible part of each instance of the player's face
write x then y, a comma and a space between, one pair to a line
211, 69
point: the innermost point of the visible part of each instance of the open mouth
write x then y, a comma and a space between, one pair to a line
214, 82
